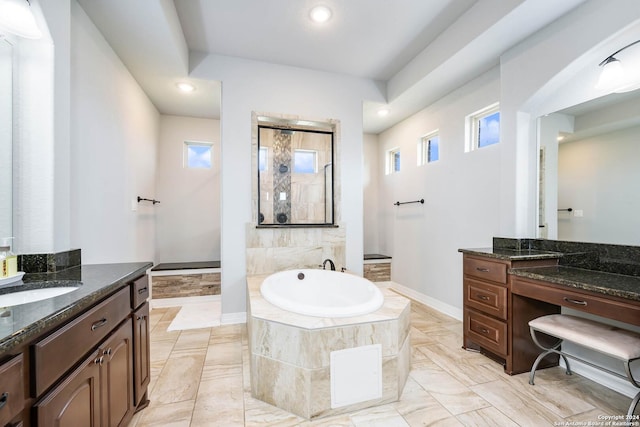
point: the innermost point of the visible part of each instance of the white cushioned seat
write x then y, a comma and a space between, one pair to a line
616, 342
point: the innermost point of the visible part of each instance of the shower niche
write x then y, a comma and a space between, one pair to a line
295, 165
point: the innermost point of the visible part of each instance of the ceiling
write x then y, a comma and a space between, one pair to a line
418, 50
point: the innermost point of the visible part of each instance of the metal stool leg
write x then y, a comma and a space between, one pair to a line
548, 350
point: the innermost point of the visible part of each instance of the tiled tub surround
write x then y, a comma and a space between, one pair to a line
290, 353
270, 250
190, 279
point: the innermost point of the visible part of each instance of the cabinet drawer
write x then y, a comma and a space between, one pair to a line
485, 297
139, 291
11, 389
58, 352
485, 269
623, 311
486, 332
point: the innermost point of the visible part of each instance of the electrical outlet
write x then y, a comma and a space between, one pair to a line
578, 213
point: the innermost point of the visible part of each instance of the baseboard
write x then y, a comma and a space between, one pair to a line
175, 302
233, 318
447, 309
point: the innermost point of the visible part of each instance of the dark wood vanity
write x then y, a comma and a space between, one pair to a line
89, 367
505, 288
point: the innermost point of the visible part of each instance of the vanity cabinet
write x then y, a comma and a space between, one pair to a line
488, 312
93, 370
99, 391
11, 389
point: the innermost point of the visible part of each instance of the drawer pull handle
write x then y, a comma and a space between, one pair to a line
482, 269
142, 290
100, 323
3, 399
482, 297
574, 301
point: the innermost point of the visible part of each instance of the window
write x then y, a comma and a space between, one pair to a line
483, 128
304, 161
393, 161
197, 155
428, 150
263, 155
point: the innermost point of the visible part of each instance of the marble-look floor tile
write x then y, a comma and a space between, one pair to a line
486, 417
193, 338
176, 414
451, 393
179, 379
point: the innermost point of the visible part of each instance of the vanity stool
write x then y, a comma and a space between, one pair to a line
617, 343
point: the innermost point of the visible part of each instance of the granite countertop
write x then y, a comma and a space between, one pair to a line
22, 323
618, 285
511, 254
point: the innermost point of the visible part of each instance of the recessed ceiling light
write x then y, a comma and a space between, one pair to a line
320, 14
185, 87
383, 112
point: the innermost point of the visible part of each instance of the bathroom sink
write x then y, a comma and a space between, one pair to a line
33, 295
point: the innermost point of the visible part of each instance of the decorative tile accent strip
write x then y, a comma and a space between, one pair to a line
186, 285
378, 272
49, 263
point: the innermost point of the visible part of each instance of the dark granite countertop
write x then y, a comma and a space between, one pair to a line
22, 323
618, 285
511, 254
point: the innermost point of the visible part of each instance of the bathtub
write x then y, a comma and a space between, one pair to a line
321, 293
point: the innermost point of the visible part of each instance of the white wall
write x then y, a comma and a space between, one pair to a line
188, 217
461, 192
114, 133
599, 176
370, 197
267, 88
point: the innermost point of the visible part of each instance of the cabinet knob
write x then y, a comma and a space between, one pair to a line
4, 399
482, 297
99, 360
107, 352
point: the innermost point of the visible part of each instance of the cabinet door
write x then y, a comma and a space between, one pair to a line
142, 369
76, 401
117, 376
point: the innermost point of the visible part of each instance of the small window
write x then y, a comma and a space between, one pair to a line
197, 155
483, 128
305, 161
428, 150
393, 161
263, 155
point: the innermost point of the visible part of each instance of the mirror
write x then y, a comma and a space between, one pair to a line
6, 133
295, 173
589, 171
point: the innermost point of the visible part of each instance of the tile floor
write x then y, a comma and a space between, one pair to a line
200, 378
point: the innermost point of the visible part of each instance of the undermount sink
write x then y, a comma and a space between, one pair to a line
33, 295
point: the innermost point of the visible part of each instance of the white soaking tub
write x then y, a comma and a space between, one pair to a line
321, 293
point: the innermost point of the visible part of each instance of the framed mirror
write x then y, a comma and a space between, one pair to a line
295, 173
588, 171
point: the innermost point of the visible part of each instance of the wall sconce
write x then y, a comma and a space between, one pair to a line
613, 76
17, 18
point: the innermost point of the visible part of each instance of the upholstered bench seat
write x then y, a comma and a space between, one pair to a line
617, 343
